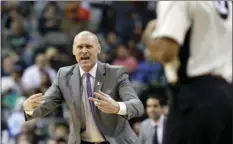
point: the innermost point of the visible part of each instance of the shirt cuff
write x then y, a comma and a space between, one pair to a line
123, 109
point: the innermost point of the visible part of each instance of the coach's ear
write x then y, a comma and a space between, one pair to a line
73, 50
99, 49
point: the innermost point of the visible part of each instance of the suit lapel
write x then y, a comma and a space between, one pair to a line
99, 81
75, 84
100, 76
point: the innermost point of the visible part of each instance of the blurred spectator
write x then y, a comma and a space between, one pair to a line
77, 10
165, 110
27, 138
10, 4
12, 82
4, 132
16, 119
76, 17
11, 89
107, 21
22, 139
37, 75
145, 10
109, 44
136, 127
148, 72
124, 23
103, 57
39, 6
58, 40
55, 58
51, 141
152, 129
111, 41
51, 130
8, 65
18, 37
20, 10
27, 133
19, 41
95, 17
123, 58
61, 132
50, 19
14, 14
26, 8
137, 27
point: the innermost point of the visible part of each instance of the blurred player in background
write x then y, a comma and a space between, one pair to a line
193, 40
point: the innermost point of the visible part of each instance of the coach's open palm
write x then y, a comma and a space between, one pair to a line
32, 103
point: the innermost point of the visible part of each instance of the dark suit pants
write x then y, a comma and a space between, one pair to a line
201, 112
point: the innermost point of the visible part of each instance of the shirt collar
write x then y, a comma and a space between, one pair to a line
160, 122
92, 71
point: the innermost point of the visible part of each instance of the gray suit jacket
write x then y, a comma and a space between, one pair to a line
112, 80
147, 131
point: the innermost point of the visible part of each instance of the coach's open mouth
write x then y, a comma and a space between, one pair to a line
85, 58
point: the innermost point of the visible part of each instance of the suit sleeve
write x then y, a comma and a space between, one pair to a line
141, 135
53, 99
128, 95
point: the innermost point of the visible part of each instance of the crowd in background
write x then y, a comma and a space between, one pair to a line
36, 40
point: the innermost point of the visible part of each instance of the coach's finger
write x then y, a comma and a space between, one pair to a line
101, 96
35, 96
97, 100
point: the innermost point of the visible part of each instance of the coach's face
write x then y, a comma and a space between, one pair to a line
153, 108
86, 49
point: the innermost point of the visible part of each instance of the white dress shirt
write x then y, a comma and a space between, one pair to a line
31, 78
92, 134
160, 128
147, 130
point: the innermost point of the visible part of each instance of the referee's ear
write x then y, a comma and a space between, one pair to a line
150, 27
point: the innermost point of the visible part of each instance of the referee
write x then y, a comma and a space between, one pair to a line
193, 39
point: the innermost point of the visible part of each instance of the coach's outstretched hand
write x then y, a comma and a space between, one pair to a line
32, 103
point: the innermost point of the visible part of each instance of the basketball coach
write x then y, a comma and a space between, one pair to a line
99, 96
